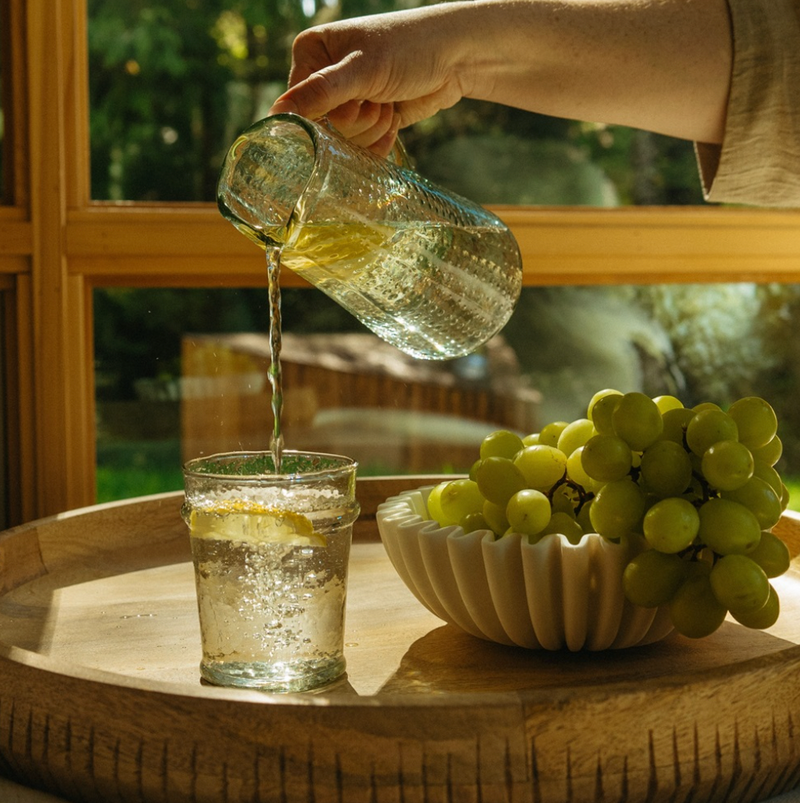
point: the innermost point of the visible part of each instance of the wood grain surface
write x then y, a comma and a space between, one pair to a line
101, 701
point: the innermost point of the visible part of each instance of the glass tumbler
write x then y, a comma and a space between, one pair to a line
428, 271
270, 554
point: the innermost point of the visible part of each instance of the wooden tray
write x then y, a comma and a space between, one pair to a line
100, 697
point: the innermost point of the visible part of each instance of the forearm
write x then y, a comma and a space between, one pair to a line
661, 65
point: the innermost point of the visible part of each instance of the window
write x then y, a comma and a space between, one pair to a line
2, 119
61, 251
172, 84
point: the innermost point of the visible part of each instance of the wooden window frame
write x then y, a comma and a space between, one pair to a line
57, 246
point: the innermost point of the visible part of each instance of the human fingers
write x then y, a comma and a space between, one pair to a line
385, 145
365, 124
325, 76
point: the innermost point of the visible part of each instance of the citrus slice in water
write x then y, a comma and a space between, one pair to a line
254, 524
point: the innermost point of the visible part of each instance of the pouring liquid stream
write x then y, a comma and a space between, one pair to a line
273, 252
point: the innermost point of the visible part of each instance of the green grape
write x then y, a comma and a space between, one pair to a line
770, 453
541, 466
459, 498
760, 498
473, 469
501, 443
550, 433
577, 473
566, 525
698, 408
652, 578
435, 505
739, 584
707, 427
701, 565
531, 440
665, 403
695, 491
764, 617
675, 423
528, 512
473, 522
606, 458
756, 421
703, 560
694, 610
728, 527
666, 468
618, 509
495, 517
575, 434
769, 475
771, 554
727, 465
671, 525
596, 397
784, 497
564, 499
601, 408
585, 516
637, 420
498, 479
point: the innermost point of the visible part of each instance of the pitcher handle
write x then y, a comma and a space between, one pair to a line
398, 155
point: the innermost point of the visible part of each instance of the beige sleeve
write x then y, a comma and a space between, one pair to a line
758, 162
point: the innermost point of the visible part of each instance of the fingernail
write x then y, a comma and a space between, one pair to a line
283, 106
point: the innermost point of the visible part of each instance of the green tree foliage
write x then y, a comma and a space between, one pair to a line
167, 81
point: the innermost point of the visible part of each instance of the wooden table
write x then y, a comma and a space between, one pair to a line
100, 697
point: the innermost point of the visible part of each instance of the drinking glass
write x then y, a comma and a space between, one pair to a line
270, 553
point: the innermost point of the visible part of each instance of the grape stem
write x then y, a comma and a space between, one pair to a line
583, 495
704, 487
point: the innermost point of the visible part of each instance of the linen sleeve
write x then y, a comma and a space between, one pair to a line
758, 162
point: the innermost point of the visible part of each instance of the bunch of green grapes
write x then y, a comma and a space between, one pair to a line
693, 491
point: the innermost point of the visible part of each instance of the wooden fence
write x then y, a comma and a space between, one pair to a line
350, 393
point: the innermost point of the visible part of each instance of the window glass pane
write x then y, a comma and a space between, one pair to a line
4, 483
174, 81
3, 194
193, 379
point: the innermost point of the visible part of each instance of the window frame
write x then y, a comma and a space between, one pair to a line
57, 246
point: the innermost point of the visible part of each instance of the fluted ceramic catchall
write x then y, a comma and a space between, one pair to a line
550, 595
428, 271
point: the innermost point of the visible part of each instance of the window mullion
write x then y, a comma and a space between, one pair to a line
62, 406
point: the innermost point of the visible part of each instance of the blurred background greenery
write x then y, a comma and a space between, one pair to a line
174, 81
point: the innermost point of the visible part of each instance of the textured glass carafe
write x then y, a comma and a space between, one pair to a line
428, 271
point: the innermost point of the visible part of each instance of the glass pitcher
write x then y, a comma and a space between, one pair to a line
429, 272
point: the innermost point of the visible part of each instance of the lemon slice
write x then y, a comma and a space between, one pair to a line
254, 524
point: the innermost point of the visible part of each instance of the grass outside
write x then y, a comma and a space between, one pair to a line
126, 470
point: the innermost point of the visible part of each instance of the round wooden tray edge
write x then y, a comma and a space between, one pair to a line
374, 491
15, 660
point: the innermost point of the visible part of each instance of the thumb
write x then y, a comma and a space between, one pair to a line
325, 90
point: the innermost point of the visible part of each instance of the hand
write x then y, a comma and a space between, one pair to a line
661, 65
373, 75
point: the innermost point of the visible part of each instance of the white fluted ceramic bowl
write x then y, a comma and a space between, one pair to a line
550, 595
